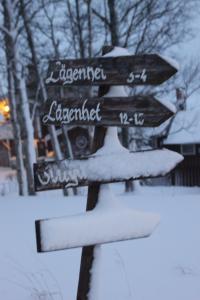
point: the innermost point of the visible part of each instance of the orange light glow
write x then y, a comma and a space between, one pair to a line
4, 108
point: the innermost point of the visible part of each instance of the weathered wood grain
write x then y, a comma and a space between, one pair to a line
87, 255
123, 70
69, 173
137, 111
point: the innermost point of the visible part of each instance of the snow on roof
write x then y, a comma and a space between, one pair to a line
185, 128
6, 132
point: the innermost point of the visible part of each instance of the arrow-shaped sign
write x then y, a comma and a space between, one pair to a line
116, 167
106, 223
123, 70
140, 111
92, 228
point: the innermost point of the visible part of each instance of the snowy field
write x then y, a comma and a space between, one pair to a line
162, 267
8, 182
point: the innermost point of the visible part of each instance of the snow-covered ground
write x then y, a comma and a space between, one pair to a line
164, 266
8, 182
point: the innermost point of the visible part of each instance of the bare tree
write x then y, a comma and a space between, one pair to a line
20, 112
46, 29
35, 62
189, 78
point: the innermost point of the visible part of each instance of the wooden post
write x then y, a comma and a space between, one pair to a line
92, 199
126, 70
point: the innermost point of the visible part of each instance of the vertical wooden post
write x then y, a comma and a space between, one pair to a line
92, 199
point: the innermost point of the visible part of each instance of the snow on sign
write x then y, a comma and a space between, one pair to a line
115, 167
110, 162
122, 70
140, 111
70, 232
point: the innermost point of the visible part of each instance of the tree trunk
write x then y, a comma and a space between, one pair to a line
72, 27
79, 29
28, 138
9, 44
115, 42
89, 21
21, 177
113, 22
51, 128
27, 134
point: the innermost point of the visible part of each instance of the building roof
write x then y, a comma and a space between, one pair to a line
185, 128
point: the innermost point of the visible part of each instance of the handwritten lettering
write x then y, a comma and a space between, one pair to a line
137, 119
71, 75
133, 76
65, 115
124, 118
69, 178
44, 178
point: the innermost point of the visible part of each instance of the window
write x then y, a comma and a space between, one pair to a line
188, 149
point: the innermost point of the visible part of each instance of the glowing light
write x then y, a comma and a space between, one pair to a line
6, 108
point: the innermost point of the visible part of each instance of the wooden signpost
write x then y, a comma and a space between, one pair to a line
102, 111
60, 233
139, 111
72, 173
123, 70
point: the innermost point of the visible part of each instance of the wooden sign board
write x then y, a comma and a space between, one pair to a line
139, 111
109, 226
123, 70
119, 167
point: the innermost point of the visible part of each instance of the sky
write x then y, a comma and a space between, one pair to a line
184, 52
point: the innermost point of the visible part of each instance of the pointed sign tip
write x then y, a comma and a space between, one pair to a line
171, 62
